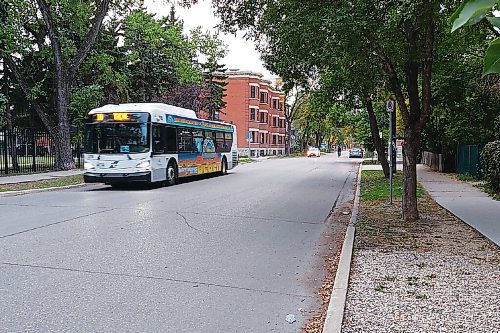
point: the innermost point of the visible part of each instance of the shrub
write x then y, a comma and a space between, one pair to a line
490, 160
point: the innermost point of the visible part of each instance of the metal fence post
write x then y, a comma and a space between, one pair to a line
33, 145
5, 153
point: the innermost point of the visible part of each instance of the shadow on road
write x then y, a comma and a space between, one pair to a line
142, 187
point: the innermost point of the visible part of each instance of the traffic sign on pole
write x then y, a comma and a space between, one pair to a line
390, 105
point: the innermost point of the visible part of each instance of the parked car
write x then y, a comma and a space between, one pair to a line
313, 151
26, 149
356, 152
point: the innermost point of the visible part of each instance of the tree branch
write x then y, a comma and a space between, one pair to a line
27, 91
85, 47
393, 78
54, 39
412, 70
427, 73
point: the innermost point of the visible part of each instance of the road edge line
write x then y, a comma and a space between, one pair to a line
336, 306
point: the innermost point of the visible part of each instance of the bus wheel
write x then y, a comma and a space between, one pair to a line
171, 174
223, 169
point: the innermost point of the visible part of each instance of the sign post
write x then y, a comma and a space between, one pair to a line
390, 107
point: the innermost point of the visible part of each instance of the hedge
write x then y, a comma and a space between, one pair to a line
490, 160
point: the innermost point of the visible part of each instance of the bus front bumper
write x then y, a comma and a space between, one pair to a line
110, 178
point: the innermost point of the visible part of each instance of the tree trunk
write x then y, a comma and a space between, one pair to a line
63, 152
288, 147
61, 134
377, 142
410, 151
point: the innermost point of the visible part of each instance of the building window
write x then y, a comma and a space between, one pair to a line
274, 139
262, 97
274, 121
262, 137
253, 92
252, 114
280, 140
275, 104
280, 106
263, 117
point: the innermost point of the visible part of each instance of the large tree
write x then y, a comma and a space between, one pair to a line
65, 30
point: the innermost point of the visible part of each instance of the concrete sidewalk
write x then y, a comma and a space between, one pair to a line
38, 176
471, 205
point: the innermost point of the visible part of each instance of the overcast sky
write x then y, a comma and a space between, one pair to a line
242, 54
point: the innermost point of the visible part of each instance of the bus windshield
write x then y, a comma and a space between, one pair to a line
115, 138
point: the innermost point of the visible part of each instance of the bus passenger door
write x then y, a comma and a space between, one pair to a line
158, 158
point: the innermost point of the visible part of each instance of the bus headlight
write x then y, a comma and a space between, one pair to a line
88, 166
143, 165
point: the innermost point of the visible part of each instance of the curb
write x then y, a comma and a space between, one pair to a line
35, 190
335, 312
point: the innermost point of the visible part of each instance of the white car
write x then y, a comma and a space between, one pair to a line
313, 151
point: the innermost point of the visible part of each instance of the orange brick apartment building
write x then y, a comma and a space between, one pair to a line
257, 111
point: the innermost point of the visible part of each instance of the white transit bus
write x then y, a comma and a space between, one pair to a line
153, 142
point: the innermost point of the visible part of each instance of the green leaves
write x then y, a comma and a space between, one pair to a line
471, 12
492, 58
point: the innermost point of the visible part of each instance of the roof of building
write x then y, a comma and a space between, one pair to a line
254, 75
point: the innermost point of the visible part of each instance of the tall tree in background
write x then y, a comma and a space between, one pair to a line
71, 29
211, 50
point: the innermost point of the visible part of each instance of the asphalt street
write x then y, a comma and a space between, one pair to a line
235, 253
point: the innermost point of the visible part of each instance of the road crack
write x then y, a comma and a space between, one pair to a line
55, 223
189, 225
151, 277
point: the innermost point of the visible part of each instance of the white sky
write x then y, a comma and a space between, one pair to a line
241, 53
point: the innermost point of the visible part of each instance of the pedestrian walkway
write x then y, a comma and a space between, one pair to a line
471, 205
37, 176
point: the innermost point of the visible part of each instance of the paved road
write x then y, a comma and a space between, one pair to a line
223, 254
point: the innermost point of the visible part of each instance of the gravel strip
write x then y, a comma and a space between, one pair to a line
422, 292
443, 277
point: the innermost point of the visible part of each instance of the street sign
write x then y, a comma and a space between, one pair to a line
390, 105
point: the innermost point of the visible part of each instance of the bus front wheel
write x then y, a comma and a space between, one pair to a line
171, 174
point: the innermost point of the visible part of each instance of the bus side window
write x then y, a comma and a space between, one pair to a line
158, 140
185, 141
170, 140
228, 141
219, 141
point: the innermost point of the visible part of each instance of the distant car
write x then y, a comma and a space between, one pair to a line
313, 151
356, 152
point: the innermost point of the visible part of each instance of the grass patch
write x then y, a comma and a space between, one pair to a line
485, 187
244, 160
465, 177
370, 162
300, 154
376, 186
40, 184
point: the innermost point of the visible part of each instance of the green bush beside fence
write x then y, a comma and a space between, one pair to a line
490, 161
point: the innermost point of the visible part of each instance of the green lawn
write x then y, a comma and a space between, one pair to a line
376, 186
56, 182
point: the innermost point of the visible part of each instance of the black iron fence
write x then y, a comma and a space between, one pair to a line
29, 150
